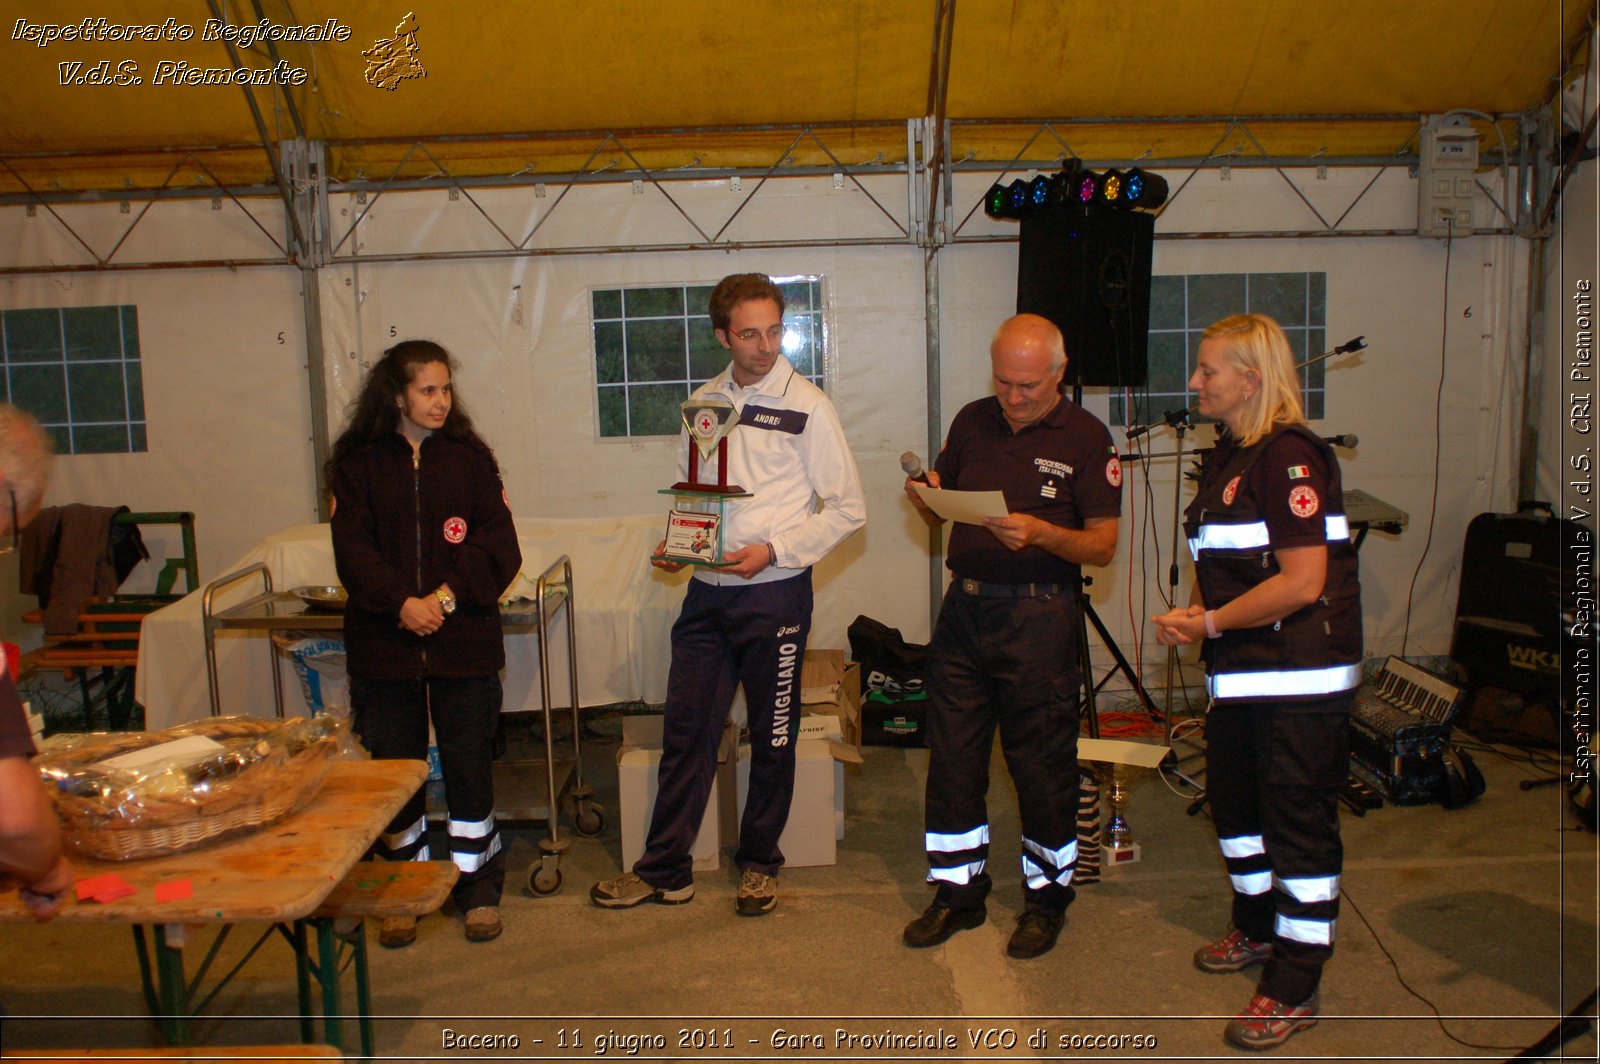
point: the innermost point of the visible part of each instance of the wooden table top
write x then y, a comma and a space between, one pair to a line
271, 875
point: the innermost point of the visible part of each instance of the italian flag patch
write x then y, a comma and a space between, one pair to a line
1299, 472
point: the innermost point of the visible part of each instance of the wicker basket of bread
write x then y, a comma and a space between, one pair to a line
143, 794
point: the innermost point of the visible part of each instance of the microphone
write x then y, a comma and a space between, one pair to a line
911, 465
1349, 440
1174, 418
1358, 344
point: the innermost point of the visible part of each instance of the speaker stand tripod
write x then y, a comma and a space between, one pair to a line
1091, 686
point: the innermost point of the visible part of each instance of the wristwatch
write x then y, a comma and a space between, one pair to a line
447, 601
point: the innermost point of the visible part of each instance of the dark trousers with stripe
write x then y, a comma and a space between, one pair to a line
754, 634
391, 719
1273, 775
1012, 664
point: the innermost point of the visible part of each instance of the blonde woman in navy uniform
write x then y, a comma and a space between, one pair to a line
1277, 604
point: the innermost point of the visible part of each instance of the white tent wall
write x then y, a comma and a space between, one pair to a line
229, 427
1392, 290
227, 402
521, 329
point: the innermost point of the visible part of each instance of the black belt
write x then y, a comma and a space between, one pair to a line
976, 587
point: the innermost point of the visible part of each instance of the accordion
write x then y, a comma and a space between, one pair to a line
1399, 730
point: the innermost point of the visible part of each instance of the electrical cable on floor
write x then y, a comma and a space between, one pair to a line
1438, 404
1181, 732
1525, 756
1346, 899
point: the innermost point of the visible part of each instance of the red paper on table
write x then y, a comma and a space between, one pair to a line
176, 890
89, 887
103, 888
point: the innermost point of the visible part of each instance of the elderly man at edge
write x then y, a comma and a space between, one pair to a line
30, 839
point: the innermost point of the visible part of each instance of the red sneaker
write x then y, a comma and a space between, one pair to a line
1232, 954
1268, 1023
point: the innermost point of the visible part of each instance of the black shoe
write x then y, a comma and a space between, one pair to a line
1036, 933
939, 922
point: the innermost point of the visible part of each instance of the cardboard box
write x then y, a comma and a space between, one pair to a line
816, 813
638, 765
830, 685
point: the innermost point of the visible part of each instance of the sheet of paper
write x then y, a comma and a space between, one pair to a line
190, 746
970, 507
1122, 752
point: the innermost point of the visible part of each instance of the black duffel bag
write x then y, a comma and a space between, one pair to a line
893, 701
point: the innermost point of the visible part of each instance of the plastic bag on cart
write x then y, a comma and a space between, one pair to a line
319, 664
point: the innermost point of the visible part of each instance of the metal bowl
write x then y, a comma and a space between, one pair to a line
322, 597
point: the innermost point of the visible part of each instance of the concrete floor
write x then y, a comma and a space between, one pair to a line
1465, 934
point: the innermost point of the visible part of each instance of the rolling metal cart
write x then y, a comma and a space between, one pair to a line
273, 610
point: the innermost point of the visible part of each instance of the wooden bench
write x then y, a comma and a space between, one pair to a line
374, 889
107, 639
262, 1053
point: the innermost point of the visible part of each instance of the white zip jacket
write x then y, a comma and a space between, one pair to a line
789, 451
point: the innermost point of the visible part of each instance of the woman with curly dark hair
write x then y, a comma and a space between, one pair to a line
425, 545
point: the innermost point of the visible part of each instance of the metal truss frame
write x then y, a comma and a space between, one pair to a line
928, 217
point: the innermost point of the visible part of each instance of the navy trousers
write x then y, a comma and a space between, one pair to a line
1273, 775
1012, 664
754, 634
391, 719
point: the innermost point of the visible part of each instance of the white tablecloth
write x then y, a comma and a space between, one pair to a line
624, 611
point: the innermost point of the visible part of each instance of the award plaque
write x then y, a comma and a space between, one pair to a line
694, 524
708, 422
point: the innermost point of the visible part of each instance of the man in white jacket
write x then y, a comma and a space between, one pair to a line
746, 621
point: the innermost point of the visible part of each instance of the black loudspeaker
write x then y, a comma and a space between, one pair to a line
1088, 271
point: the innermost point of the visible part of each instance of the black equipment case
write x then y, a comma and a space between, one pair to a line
1510, 619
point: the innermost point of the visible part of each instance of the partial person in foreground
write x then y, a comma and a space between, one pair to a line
425, 545
1277, 604
1005, 651
31, 860
747, 621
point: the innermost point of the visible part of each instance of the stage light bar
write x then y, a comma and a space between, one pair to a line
1077, 188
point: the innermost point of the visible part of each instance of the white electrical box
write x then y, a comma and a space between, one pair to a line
1446, 181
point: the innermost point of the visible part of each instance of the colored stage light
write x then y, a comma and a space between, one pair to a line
1111, 188
994, 203
1144, 190
1016, 198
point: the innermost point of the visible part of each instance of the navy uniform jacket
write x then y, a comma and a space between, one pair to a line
400, 532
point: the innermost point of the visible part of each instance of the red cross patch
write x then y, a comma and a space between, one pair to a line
1303, 501
455, 529
1230, 491
1114, 471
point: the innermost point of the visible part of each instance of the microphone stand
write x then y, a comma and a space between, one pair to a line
1358, 344
1180, 426
1179, 421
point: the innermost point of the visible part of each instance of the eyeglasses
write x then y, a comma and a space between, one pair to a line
750, 336
16, 533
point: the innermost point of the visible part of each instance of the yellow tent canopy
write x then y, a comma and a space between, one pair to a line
143, 94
